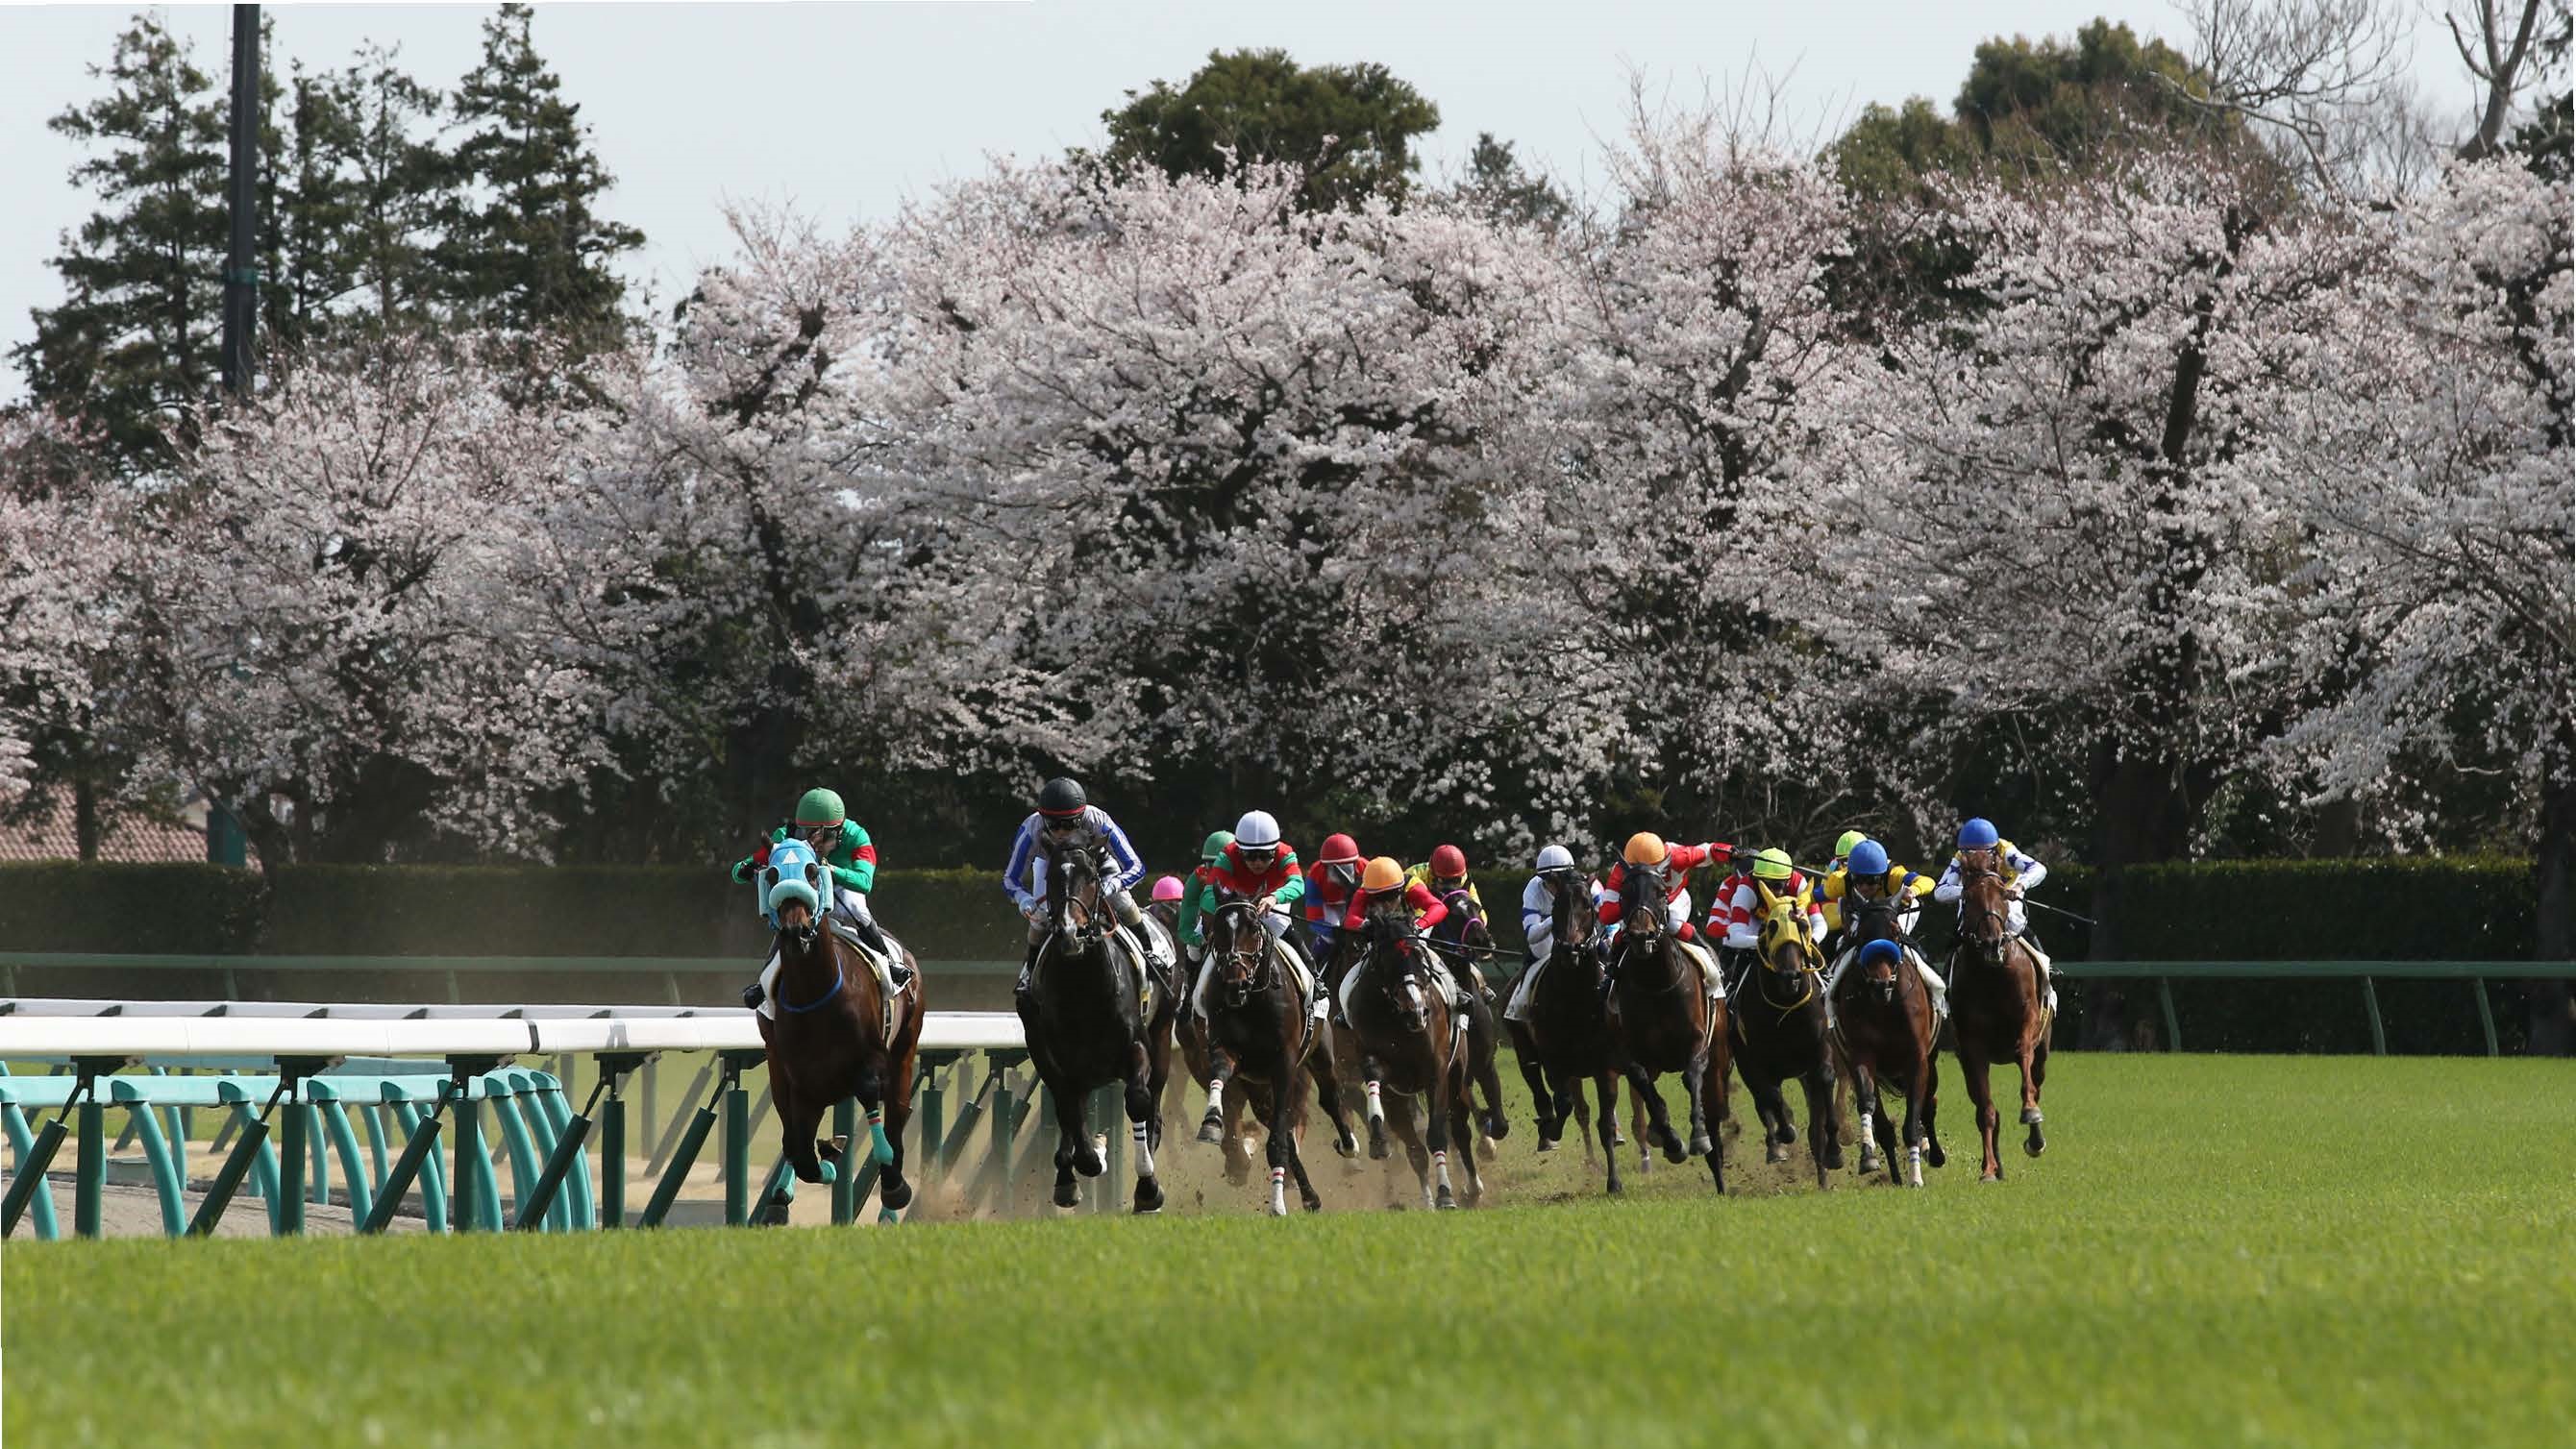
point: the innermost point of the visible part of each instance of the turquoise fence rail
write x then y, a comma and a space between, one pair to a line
364, 1093
2474, 974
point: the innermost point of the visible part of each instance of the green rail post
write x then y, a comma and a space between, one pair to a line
2173, 1023
465, 1179
679, 1123
418, 1149
613, 1070
737, 1150
30, 1181
845, 1183
969, 1113
508, 1110
536, 1205
2370, 1002
1004, 1122
90, 1186
27, 1186
693, 1139
145, 1122
291, 1153
2486, 1013
934, 1114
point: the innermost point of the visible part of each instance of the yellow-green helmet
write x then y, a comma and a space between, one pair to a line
1217, 841
1773, 864
1849, 838
819, 808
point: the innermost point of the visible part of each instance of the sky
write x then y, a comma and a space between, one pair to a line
842, 111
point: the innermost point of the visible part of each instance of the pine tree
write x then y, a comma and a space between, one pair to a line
135, 343
400, 182
524, 249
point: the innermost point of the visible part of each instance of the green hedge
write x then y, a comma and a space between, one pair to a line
160, 910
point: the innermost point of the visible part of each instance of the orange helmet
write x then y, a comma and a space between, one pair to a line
1448, 862
1645, 848
1385, 873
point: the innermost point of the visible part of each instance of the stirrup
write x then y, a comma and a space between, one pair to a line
752, 996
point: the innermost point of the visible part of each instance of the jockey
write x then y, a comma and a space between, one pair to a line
1446, 874
1556, 875
1772, 870
1647, 849
1261, 868
1870, 876
1831, 890
1979, 834
1066, 817
824, 824
1329, 884
1167, 891
1197, 895
1386, 877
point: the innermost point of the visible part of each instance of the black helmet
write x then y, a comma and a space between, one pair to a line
1061, 796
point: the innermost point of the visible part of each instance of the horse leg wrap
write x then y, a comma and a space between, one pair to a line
880, 1151
1279, 1192
1440, 1168
1377, 1113
1914, 1164
1144, 1149
1868, 1142
1216, 1096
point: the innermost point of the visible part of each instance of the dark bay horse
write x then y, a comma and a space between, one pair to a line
1411, 1040
1780, 1035
828, 1041
1664, 1020
1261, 1040
1886, 1029
1463, 941
1996, 1010
1567, 1039
1088, 1023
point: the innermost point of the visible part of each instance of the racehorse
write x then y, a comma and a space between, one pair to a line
1411, 1040
1090, 1020
1462, 940
1996, 1011
1886, 1030
1663, 1019
1259, 1038
833, 1037
1779, 1024
1567, 1038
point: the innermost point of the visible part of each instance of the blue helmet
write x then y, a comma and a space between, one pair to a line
1869, 858
1977, 834
1881, 950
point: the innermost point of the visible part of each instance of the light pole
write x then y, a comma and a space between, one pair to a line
225, 842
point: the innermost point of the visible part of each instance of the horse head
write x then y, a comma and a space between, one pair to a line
1642, 900
1880, 966
795, 890
1242, 949
1390, 964
1985, 908
1875, 920
1787, 947
1073, 873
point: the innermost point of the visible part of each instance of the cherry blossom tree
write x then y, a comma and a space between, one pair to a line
347, 625
61, 554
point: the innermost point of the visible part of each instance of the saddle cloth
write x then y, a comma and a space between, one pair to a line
880, 966
1442, 981
1707, 963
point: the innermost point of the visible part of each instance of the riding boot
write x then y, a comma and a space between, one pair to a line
875, 937
752, 996
1028, 968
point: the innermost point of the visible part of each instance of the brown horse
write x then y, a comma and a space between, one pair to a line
1996, 1009
1566, 1039
1259, 1038
1663, 1019
1779, 1022
1410, 1040
1088, 1023
1886, 1029
1462, 940
829, 1041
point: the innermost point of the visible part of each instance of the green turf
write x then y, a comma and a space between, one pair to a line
2215, 1250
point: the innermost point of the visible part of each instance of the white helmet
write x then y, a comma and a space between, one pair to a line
1256, 831
1556, 857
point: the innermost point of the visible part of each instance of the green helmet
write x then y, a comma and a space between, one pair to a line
1217, 841
819, 808
1773, 864
1849, 838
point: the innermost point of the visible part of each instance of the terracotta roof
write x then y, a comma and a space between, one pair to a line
128, 839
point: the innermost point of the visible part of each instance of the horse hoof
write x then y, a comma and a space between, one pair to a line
2031, 1117
830, 1151
895, 1194
1933, 1154
1377, 1140
1066, 1194
1774, 1152
1700, 1145
1086, 1160
2035, 1144
1617, 1188
1996, 1176
1834, 1158
1312, 1203
1618, 1138
1149, 1196
880, 1151
1785, 1134
1545, 1142
1347, 1146
1496, 1128
1446, 1202
1212, 1129
888, 1217
1673, 1150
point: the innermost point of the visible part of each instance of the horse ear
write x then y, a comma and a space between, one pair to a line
813, 875
769, 877
1770, 902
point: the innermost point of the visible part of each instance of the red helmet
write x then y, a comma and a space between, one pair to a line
1339, 850
1448, 862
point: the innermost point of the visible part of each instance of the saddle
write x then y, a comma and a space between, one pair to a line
1706, 960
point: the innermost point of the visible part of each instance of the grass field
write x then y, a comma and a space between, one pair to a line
2215, 1250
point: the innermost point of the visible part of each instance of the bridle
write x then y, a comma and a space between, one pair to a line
1390, 927
1991, 949
1249, 968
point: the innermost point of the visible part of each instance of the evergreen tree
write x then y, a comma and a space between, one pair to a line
1499, 188
1351, 127
136, 341
400, 182
524, 248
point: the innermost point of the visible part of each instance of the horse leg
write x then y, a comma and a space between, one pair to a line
1144, 1123
1542, 1101
894, 1192
1328, 1095
1571, 1103
1713, 1085
1695, 1086
1372, 1081
1930, 1074
1864, 1095
1281, 1148
1659, 1127
1778, 1131
1973, 1068
1236, 1149
1481, 1051
1072, 1137
1221, 1066
1400, 1124
1825, 1128
1442, 1104
2032, 1064
1462, 1128
1604, 1087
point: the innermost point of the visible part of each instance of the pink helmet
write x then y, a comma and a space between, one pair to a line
1167, 889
